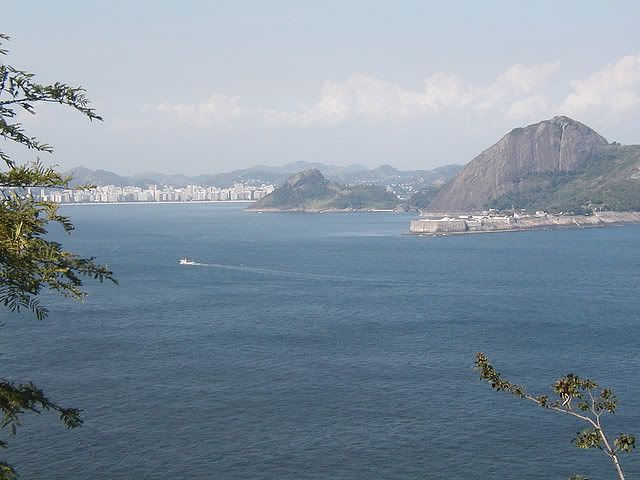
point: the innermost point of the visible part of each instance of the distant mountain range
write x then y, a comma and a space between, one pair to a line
310, 191
558, 165
350, 175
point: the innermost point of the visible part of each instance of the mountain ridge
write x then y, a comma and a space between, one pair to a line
350, 174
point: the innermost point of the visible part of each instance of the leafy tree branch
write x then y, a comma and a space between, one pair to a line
29, 260
574, 396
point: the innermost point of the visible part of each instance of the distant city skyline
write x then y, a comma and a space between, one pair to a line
201, 87
155, 193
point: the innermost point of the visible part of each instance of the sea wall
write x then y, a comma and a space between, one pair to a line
443, 226
438, 226
458, 225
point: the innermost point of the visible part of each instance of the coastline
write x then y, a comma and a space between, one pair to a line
433, 227
319, 210
157, 203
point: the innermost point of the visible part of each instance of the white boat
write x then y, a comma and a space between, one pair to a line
187, 261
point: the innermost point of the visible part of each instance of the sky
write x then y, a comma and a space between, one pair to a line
210, 86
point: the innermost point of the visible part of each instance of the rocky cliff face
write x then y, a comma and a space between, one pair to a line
557, 145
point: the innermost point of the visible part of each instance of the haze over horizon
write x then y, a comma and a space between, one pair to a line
201, 88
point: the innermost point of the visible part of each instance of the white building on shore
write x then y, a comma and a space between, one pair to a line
155, 193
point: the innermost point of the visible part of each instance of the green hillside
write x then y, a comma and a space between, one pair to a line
311, 191
609, 179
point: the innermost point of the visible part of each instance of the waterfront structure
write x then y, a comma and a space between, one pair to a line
488, 222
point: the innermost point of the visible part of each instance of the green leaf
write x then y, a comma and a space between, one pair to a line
588, 438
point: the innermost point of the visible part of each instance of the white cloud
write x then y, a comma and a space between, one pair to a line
359, 96
512, 85
445, 90
364, 97
536, 106
215, 110
526, 79
614, 89
368, 98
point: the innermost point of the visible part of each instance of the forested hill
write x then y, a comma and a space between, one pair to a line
311, 191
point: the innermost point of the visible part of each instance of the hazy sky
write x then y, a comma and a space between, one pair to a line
208, 86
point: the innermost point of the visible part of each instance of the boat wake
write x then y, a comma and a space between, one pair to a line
288, 274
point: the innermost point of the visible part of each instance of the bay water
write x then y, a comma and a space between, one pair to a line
329, 346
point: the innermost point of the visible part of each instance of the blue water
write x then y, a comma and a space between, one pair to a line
323, 347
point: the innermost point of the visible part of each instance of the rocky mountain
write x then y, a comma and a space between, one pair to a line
557, 164
310, 191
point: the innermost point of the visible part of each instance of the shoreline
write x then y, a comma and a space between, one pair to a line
190, 202
435, 228
522, 230
319, 211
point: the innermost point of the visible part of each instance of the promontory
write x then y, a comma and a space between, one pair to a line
310, 191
